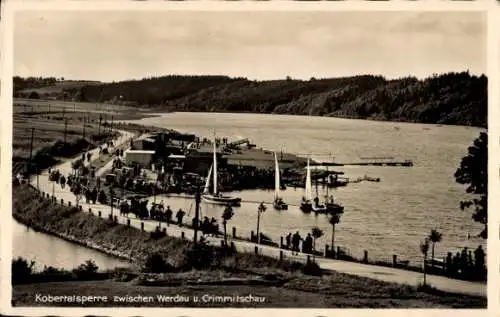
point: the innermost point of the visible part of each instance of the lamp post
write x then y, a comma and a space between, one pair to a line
260, 210
197, 211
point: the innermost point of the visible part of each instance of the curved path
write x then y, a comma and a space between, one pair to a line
386, 274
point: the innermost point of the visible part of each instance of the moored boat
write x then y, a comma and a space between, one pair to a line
278, 203
306, 205
216, 197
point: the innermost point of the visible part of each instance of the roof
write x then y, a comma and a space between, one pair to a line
140, 151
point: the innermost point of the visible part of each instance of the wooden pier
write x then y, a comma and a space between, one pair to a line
406, 163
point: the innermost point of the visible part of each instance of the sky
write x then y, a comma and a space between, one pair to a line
120, 45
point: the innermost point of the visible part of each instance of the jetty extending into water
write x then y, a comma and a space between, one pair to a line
405, 163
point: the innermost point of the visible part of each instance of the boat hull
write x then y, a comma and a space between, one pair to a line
222, 200
306, 207
335, 208
320, 209
280, 206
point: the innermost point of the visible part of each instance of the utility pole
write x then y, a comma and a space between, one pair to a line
84, 119
197, 212
65, 129
31, 149
111, 194
100, 120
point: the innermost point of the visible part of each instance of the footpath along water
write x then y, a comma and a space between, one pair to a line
385, 218
375, 272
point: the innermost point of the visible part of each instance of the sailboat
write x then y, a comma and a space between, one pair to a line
216, 197
306, 204
331, 206
278, 204
317, 207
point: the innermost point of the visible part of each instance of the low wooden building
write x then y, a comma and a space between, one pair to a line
141, 157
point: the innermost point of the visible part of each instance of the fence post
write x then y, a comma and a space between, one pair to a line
234, 232
338, 252
62, 201
394, 260
80, 207
308, 259
182, 235
281, 242
116, 219
128, 222
365, 258
142, 226
256, 250
251, 236
164, 230
99, 213
90, 210
281, 255
69, 203
327, 250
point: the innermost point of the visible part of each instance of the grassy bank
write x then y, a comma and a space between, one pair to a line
55, 136
284, 284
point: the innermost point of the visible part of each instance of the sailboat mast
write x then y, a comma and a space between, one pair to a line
326, 183
316, 182
308, 182
207, 183
276, 177
215, 166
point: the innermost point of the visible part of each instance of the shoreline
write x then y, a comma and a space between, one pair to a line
251, 264
153, 111
412, 268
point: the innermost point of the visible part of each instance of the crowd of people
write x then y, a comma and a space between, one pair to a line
466, 264
295, 242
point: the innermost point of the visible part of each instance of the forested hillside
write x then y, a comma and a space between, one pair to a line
452, 98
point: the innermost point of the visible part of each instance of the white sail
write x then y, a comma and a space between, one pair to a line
308, 182
215, 167
207, 182
276, 177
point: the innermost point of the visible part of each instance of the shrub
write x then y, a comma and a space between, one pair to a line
21, 270
312, 268
87, 270
157, 234
53, 274
200, 258
156, 264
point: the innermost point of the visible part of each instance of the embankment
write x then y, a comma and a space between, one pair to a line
332, 289
104, 235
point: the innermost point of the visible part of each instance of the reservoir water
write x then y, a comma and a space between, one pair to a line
385, 218
47, 250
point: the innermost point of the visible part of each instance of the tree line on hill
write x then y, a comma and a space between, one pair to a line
452, 98
21, 83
